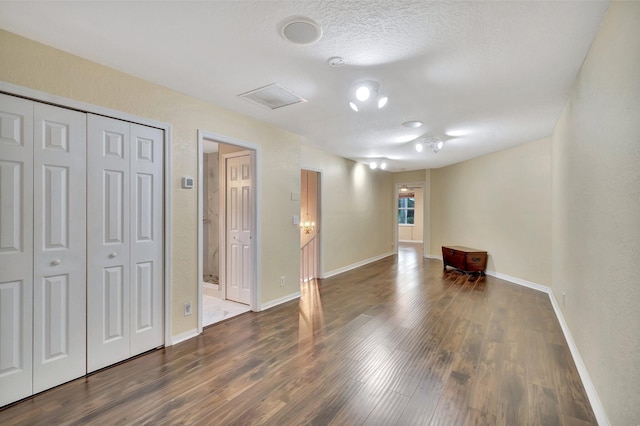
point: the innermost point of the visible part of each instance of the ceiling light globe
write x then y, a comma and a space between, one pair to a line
382, 102
353, 106
383, 166
419, 147
363, 93
373, 165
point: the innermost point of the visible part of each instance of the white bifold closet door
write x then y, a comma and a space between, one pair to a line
59, 236
124, 245
42, 247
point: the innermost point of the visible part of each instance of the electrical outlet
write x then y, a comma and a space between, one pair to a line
187, 309
282, 281
564, 299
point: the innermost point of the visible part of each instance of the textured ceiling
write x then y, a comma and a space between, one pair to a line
496, 72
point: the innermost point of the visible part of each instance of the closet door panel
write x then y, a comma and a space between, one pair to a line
59, 340
16, 248
147, 326
108, 242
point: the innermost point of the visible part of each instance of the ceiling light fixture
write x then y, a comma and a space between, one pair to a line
435, 143
412, 124
404, 188
379, 163
364, 93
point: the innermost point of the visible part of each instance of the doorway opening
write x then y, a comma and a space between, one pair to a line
226, 230
410, 214
309, 225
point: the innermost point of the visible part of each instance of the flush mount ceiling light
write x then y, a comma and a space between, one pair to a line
301, 30
404, 188
412, 124
365, 93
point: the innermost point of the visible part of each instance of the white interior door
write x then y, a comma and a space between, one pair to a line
16, 248
108, 252
238, 224
59, 295
147, 326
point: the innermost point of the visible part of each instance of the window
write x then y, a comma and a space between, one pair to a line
406, 210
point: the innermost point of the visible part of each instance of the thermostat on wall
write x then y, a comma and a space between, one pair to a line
187, 182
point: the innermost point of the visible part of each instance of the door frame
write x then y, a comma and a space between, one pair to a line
425, 228
319, 197
40, 96
255, 215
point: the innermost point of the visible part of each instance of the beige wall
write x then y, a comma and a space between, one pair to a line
39, 67
357, 208
501, 203
596, 212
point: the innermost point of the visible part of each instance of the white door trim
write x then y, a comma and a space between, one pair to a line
257, 169
37, 95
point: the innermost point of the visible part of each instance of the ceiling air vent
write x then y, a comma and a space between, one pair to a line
272, 96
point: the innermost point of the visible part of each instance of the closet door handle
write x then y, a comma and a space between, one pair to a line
112, 255
55, 262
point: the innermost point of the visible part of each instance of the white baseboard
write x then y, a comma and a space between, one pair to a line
183, 336
594, 399
410, 241
280, 301
433, 256
357, 264
520, 281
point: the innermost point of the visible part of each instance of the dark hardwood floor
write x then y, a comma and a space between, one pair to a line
396, 342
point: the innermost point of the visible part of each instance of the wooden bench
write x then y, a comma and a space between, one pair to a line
465, 259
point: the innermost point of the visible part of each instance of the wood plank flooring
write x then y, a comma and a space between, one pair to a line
396, 342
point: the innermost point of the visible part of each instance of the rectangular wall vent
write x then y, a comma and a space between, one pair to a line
272, 96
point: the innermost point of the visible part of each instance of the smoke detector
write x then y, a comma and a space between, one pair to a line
336, 61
